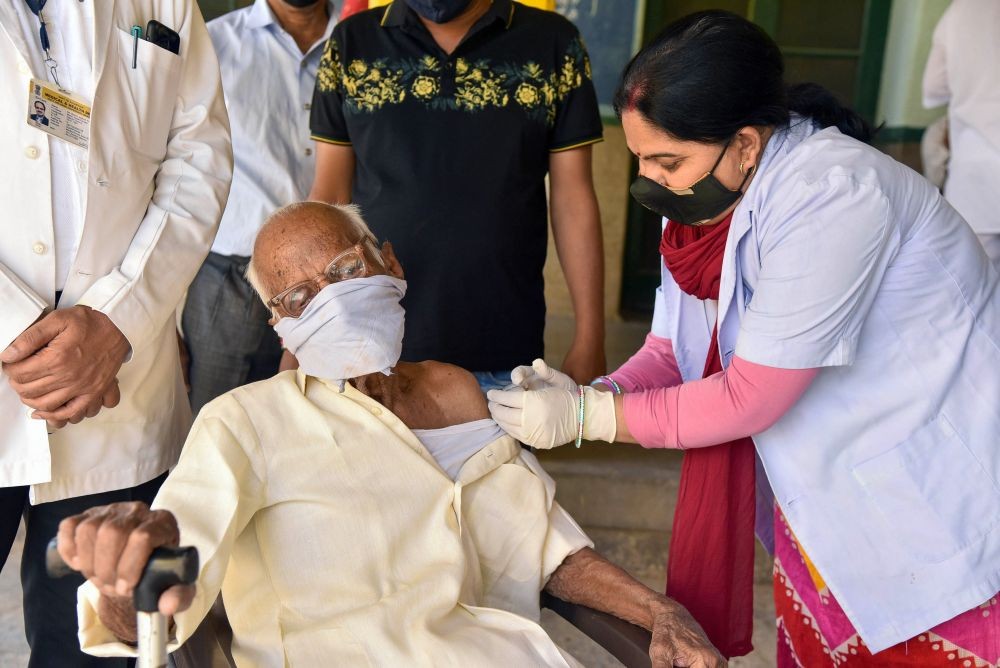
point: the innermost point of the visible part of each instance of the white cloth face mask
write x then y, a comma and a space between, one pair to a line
349, 329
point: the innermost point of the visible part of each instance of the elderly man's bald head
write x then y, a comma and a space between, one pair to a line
298, 241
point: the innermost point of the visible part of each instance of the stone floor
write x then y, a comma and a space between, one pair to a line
13, 648
623, 497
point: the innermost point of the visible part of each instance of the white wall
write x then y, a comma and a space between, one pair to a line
911, 24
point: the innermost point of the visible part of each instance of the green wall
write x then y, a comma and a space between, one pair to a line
911, 25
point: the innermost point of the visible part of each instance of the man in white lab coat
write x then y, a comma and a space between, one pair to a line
961, 72
107, 212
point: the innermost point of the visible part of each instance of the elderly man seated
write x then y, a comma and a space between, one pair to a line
358, 511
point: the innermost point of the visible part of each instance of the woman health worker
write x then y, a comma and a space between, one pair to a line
822, 305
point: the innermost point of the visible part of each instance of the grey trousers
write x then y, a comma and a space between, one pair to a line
226, 331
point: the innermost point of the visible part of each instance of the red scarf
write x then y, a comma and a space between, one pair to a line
710, 567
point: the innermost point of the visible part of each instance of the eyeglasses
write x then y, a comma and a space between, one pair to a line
348, 264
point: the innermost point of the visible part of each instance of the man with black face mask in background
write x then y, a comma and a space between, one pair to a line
441, 119
268, 54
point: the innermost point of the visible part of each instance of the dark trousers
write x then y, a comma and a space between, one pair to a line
50, 604
226, 331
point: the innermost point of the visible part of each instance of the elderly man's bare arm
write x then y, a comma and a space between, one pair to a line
587, 578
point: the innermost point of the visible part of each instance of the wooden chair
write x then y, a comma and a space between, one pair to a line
626, 642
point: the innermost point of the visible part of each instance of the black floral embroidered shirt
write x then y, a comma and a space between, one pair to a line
451, 157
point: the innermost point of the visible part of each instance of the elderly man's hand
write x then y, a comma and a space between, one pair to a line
110, 545
64, 366
678, 640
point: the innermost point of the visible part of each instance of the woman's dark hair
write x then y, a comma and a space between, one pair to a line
711, 73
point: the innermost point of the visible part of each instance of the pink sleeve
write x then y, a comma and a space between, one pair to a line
743, 400
653, 366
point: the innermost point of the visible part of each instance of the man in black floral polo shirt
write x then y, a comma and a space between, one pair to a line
441, 118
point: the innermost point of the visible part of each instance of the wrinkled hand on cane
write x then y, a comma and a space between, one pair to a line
167, 567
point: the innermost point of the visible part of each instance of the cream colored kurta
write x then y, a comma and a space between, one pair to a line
336, 540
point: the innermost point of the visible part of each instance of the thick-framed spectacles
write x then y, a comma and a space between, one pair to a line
348, 264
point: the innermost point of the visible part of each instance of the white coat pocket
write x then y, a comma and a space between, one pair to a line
149, 93
934, 495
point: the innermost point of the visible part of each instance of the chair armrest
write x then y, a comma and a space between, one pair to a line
626, 642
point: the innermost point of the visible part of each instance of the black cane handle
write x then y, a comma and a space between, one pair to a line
167, 566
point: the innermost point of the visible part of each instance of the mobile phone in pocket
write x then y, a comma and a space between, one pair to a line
163, 37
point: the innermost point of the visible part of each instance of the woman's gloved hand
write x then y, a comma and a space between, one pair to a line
548, 417
540, 375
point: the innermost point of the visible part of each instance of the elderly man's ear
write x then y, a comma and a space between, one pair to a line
392, 265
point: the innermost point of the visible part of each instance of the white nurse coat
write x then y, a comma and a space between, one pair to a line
887, 468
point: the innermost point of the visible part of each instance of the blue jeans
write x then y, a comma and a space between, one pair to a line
492, 380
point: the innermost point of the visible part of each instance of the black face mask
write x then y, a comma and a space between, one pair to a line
705, 199
438, 11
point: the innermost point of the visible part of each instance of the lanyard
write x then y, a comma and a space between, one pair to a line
43, 35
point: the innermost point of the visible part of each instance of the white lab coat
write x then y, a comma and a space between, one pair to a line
887, 468
962, 73
159, 169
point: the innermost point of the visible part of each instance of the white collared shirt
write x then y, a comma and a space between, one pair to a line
268, 84
70, 27
961, 72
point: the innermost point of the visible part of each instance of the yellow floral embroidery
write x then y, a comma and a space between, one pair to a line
372, 86
424, 87
548, 94
480, 89
330, 72
568, 78
526, 95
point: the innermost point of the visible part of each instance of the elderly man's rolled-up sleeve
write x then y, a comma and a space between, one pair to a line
521, 534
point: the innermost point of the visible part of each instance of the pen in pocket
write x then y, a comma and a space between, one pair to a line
136, 36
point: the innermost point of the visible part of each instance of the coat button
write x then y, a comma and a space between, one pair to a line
376, 411
38, 247
32, 152
309, 151
81, 166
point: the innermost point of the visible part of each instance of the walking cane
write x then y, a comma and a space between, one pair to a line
167, 566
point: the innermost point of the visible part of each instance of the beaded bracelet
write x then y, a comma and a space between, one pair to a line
583, 404
608, 381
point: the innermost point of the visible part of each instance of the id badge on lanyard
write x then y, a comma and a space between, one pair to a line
51, 108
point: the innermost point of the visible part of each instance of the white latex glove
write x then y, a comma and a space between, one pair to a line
547, 418
539, 376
